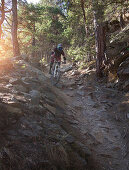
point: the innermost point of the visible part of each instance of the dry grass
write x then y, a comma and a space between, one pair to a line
57, 155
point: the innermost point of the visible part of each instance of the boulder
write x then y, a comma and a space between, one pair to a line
35, 97
66, 69
13, 110
123, 74
20, 88
75, 73
126, 85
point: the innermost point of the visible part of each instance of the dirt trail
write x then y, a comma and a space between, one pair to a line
101, 118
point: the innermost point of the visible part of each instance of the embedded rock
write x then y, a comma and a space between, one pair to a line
123, 74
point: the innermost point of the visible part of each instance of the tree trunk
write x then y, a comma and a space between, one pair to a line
2, 16
100, 49
16, 50
0, 32
84, 16
33, 41
100, 37
122, 22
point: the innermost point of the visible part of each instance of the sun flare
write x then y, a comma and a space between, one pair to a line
5, 48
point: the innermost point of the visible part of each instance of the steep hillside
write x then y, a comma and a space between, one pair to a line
81, 125
118, 56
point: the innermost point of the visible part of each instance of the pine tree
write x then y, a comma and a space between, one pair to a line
16, 50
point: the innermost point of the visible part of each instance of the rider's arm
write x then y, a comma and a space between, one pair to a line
52, 53
63, 55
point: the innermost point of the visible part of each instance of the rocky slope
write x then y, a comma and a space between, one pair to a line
118, 56
80, 125
37, 125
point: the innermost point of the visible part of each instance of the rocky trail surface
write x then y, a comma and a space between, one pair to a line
81, 124
102, 115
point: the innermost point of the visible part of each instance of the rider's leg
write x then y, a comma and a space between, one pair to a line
51, 64
59, 60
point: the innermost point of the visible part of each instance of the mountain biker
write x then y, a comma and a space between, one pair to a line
56, 54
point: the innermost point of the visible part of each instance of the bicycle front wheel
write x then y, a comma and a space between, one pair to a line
55, 76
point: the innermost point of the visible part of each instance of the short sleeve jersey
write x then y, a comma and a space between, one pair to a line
58, 53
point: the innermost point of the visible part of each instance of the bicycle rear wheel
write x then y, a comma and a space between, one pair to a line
55, 76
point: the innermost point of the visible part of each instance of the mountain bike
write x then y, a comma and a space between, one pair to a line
55, 72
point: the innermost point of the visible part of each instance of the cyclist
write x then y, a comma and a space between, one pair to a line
56, 54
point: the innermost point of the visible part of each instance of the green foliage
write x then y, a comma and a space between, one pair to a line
61, 21
54, 24
42, 61
45, 23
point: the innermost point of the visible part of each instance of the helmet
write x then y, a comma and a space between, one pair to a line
59, 47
